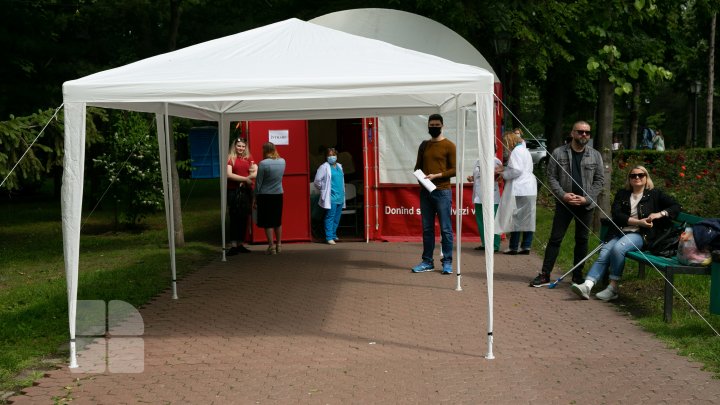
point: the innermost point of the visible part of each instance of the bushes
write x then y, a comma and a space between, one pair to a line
691, 176
130, 167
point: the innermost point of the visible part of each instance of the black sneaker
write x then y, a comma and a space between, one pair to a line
232, 251
578, 278
243, 249
542, 279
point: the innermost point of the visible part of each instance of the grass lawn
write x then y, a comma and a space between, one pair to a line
129, 266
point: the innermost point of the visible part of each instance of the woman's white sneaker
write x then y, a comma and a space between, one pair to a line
607, 294
581, 290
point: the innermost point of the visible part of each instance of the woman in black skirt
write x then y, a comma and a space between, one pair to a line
269, 196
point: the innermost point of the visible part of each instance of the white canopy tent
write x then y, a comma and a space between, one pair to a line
287, 70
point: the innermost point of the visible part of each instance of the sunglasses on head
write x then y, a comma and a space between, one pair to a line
581, 132
637, 175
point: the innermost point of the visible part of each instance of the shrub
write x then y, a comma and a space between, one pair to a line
690, 175
130, 167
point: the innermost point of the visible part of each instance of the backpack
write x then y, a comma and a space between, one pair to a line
707, 234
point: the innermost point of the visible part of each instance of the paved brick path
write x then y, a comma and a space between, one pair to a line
346, 324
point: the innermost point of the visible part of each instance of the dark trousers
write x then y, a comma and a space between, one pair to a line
563, 216
238, 203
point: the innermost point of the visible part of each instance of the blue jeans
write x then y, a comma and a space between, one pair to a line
332, 221
437, 203
527, 238
612, 256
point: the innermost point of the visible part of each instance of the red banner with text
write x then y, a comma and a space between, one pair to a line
399, 214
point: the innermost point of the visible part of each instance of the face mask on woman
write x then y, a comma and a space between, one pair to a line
332, 159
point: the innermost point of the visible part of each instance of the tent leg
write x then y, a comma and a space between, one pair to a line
73, 354
460, 125
164, 130
490, 355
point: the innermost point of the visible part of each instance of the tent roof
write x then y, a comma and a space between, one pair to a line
290, 69
406, 30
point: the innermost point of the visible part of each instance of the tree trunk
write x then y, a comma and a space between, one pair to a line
634, 116
514, 91
174, 24
711, 84
690, 116
177, 209
603, 140
556, 90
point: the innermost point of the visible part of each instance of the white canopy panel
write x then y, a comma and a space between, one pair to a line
407, 30
277, 68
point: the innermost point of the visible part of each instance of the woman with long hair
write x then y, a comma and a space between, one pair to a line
241, 170
269, 196
516, 212
640, 213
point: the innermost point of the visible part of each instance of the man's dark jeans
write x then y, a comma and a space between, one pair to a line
563, 216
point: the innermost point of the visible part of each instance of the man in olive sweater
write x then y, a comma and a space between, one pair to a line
436, 158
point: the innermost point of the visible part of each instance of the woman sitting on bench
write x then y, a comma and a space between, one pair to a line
640, 212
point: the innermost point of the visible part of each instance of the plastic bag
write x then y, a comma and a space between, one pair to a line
689, 254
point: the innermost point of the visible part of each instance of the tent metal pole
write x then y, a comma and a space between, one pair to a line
459, 164
376, 166
171, 221
223, 179
486, 154
162, 147
366, 132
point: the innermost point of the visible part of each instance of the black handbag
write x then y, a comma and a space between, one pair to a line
666, 244
240, 200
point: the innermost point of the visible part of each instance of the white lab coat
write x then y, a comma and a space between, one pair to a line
323, 183
516, 212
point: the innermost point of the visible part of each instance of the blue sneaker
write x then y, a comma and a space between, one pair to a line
447, 268
422, 268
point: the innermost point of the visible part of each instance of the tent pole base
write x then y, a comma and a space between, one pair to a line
490, 355
73, 355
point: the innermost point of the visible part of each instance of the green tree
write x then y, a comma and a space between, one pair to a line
130, 167
33, 145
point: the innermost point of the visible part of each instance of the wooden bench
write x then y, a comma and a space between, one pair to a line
668, 266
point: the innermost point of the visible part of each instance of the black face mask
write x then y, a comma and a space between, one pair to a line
434, 131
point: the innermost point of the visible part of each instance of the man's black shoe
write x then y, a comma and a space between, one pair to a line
542, 279
232, 251
243, 249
